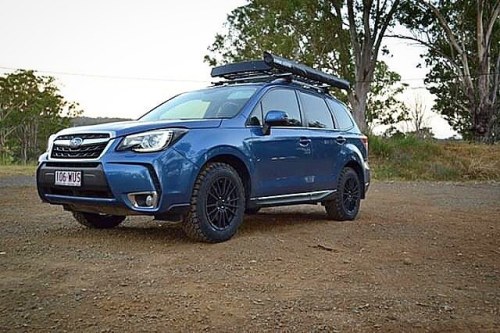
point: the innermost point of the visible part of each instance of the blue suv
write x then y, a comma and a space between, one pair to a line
266, 134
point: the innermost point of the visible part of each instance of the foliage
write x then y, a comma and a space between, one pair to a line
383, 106
314, 33
299, 29
464, 60
407, 157
31, 108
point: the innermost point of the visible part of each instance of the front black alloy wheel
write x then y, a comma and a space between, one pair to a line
217, 204
345, 205
222, 202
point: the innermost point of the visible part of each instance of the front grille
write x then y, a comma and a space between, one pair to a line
84, 152
79, 145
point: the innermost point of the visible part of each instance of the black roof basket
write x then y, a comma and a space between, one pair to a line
272, 67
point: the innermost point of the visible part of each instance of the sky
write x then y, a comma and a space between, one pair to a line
120, 58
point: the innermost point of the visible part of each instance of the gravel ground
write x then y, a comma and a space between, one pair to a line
422, 257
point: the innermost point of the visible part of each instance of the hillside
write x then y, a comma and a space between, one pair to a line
409, 158
85, 121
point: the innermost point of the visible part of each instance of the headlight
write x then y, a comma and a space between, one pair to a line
150, 141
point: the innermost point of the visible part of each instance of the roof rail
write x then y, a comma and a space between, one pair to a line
272, 67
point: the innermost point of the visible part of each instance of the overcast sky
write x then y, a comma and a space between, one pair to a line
120, 58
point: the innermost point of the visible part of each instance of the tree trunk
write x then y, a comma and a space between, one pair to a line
366, 44
483, 121
358, 99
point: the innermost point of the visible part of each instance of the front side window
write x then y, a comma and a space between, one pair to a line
283, 100
316, 111
212, 103
344, 120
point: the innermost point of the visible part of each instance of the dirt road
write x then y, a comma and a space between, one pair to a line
421, 257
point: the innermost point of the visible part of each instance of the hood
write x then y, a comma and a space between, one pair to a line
131, 127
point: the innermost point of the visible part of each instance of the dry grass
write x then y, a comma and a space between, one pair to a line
475, 161
413, 159
17, 170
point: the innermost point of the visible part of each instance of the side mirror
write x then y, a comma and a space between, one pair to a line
275, 118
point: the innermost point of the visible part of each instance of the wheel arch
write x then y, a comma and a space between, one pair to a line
240, 167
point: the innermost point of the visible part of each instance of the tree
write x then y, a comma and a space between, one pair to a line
418, 119
30, 110
383, 108
320, 33
368, 23
463, 41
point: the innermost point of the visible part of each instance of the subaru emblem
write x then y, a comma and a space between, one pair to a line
75, 142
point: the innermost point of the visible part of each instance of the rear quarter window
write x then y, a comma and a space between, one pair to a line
315, 111
342, 115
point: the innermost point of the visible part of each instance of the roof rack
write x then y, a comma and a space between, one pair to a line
272, 67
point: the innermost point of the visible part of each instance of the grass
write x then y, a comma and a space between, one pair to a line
17, 170
409, 158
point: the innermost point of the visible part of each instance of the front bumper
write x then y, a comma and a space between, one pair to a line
114, 184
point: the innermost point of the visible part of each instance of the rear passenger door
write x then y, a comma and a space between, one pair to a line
325, 140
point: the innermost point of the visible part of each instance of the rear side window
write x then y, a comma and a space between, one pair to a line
282, 100
344, 120
315, 111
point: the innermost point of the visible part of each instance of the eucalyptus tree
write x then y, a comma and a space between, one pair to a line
342, 38
463, 53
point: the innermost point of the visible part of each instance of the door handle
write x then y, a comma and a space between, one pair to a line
304, 141
340, 140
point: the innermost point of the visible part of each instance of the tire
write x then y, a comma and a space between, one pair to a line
345, 205
217, 204
98, 221
252, 211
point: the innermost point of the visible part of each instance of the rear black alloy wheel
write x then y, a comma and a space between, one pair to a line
345, 205
98, 221
217, 204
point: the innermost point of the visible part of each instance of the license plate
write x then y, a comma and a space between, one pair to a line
68, 178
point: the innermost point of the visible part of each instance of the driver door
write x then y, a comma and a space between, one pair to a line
282, 157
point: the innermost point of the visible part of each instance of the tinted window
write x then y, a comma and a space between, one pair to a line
220, 102
344, 120
315, 111
283, 100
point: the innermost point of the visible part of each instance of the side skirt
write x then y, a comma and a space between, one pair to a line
293, 199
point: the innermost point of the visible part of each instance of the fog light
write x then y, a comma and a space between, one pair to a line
143, 199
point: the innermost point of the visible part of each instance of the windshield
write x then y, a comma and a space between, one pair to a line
212, 103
